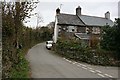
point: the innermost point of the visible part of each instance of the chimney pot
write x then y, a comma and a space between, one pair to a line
78, 11
107, 15
57, 11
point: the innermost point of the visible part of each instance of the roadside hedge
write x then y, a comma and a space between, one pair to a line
74, 50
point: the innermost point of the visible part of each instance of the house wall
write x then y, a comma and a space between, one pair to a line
63, 31
67, 31
55, 31
81, 29
94, 35
72, 29
96, 30
93, 29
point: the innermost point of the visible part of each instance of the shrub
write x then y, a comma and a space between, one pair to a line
73, 49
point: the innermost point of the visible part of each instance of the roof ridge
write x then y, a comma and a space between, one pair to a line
85, 15
68, 14
98, 17
94, 16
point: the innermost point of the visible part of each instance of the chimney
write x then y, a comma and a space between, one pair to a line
78, 10
107, 15
57, 11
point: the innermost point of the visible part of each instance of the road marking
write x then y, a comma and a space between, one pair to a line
90, 68
63, 58
66, 59
98, 71
79, 65
76, 62
92, 71
100, 75
69, 61
73, 63
82, 65
108, 75
84, 68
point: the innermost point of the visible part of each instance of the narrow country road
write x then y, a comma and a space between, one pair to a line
45, 64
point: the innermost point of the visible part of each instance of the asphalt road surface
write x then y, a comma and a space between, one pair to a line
45, 64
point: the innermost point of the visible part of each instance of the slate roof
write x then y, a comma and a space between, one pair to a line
69, 19
83, 20
95, 21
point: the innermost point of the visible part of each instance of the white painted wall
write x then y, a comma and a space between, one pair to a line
55, 30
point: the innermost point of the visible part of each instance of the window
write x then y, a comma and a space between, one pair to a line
59, 29
63, 28
87, 30
96, 30
72, 29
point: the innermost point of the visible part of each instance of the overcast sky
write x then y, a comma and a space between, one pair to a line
47, 9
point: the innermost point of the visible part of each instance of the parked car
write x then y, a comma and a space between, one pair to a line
49, 44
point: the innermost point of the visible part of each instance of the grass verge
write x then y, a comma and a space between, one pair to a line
21, 69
